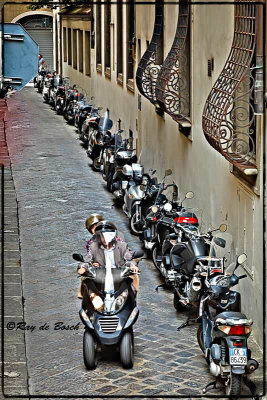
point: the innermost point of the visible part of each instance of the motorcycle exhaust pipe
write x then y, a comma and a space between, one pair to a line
252, 365
194, 288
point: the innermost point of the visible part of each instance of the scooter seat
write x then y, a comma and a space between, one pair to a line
230, 315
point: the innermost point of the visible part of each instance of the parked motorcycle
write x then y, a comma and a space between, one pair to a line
98, 139
224, 330
169, 233
187, 260
108, 312
90, 123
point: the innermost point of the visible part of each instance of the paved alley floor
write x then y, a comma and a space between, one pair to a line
56, 191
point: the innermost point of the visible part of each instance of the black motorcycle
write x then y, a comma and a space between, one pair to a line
108, 312
187, 259
223, 332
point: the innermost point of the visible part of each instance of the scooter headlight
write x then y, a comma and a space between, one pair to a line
167, 207
154, 209
120, 300
96, 301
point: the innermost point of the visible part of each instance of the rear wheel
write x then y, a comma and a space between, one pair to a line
234, 385
89, 353
126, 350
110, 180
200, 338
155, 255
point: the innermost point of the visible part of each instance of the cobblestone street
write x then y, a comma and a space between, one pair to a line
56, 191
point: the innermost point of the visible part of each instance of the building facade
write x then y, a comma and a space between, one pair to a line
182, 78
38, 23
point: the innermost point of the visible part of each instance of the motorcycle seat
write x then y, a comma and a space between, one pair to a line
230, 315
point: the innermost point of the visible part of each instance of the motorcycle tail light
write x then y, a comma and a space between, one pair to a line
186, 220
238, 330
236, 344
154, 219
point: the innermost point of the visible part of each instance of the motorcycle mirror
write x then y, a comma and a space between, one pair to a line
100, 108
77, 257
154, 172
223, 228
138, 254
168, 172
189, 195
92, 97
241, 258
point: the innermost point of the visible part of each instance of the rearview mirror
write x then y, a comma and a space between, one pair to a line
77, 257
241, 258
223, 228
168, 172
138, 254
189, 195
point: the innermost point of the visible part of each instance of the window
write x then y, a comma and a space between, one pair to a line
107, 37
74, 38
69, 47
119, 42
87, 55
173, 83
80, 37
130, 43
148, 68
65, 44
228, 118
98, 36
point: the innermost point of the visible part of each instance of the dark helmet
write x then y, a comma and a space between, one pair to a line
92, 220
107, 231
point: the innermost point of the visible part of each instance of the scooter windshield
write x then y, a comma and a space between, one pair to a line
108, 280
105, 124
221, 252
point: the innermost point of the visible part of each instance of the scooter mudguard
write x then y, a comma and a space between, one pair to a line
132, 318
85, 320
207, 327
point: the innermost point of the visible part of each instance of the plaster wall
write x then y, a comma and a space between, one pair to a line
220, 196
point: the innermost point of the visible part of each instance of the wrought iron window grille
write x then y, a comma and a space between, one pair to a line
228, 118
147, 71
173, 83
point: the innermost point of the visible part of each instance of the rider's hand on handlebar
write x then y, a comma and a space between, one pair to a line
82, 271
95, 264
134, 268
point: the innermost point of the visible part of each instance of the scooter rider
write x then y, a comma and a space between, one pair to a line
109, 252
90, 225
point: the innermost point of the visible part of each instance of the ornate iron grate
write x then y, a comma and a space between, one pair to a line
228, 118
172, 86
147, 71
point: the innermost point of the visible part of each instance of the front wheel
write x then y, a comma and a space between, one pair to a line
126, 350
96, 164
177, 303
155, 257
89, 353
234, 385
136, 225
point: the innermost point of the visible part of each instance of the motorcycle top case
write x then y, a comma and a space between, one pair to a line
138, 169
127, 170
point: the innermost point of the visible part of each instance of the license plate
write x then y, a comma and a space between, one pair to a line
238, 356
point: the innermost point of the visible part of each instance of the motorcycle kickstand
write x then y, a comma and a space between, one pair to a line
187, 323
210, 386
163, 285
252, 387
